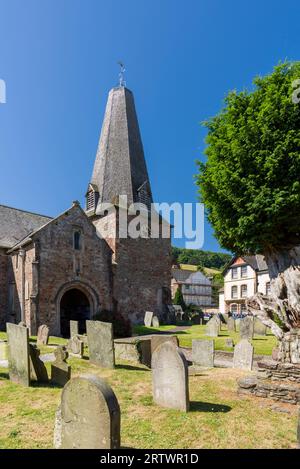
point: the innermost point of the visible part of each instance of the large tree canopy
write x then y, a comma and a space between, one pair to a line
250, 183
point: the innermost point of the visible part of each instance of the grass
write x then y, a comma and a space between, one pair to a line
263, 345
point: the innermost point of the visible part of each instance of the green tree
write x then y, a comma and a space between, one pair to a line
178, 299
250, 186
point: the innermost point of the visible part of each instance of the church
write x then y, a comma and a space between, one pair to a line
78, 265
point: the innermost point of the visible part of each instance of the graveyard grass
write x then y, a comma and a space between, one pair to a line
219, 418
263, 345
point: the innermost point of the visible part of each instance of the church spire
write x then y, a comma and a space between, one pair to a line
120, 167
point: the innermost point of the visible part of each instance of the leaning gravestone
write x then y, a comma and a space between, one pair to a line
259, 327
243, 355
38, 371
170, 377
203, 353
212, 327
246, 327
155, 321
74, 328
231, 324
75, 347
101, 343
60, 370
43, 335
18, 354
88, 416
148, 318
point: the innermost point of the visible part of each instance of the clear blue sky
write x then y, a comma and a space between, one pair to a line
58, 59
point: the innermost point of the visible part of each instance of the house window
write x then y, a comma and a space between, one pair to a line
244, 291
234, 291
268, 288
243, 309
244, 271
234, 308
77, 240
234, 272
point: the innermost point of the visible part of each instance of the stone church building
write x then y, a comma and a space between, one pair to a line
78, 264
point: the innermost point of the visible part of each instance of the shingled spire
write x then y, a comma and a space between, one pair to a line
120, 167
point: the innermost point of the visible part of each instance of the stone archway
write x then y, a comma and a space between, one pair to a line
74, 305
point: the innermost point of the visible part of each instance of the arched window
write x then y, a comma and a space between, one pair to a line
77, 240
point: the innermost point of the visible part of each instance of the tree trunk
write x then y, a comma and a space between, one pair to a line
283, 303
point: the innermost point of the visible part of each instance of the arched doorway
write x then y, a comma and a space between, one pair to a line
74, 305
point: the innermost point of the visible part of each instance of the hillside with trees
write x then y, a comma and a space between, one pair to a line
209, 259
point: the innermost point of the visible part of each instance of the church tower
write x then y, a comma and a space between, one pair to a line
142, 266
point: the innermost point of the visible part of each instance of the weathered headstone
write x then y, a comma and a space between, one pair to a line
3, 350
74, 328
246, 327
38, 371
22, 323
178, 312
231, 324
75, 347
43, 335
88, 416
148, 318
60, 370
134, 349
203, 353
170, 377
229, 342
212, 327
18, 354
158, 339
259, 327
275, 354
243, 355
101, 343
155, 321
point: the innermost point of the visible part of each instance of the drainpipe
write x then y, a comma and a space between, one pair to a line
22, 255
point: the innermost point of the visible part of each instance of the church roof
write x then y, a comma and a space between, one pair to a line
16, 224
120, 167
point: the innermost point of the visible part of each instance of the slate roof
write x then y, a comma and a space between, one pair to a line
257, 262
187, 276
120, 166
17, 224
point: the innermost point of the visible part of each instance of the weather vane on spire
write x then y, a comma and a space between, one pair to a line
122, 81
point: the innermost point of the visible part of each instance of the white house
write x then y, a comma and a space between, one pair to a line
243, 277
194, 285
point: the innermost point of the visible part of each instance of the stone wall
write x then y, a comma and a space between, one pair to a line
3, 289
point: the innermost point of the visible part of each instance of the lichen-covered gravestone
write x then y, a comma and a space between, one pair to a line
101, 343
212, 327
18, 354
148, 318
158, 339
155, 321
75, 347
38, 371
74, 328
170, 377
43, 335
88, 416
231, 324
60, 370
203, 353
243, 355
246, 327
259, 327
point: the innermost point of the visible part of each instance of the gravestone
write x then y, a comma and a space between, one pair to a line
170, 377
275, 354
43, 335
155, 321
203, 353
75, 347
101, 343
60, 370
88, 416
259, 327
74, 328
171, 316
18, 354
158, 339
38, 371
148, 318
231, 324
212, 327
229, 343
246, 327
243, 355
3, 350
